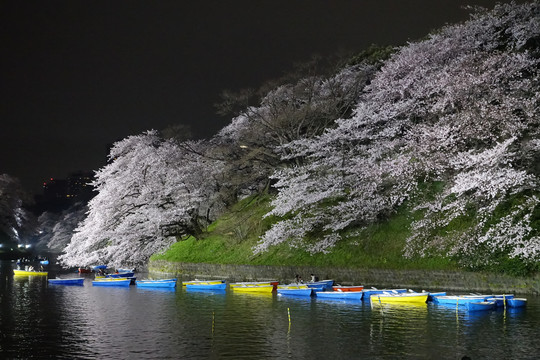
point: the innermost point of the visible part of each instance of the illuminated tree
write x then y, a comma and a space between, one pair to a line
460, 107
55, 230
151, 193
252, 144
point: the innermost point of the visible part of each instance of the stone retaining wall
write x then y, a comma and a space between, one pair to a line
457, 281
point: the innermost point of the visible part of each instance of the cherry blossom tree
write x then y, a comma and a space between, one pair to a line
252, 142
151, 193
55, 230
460, 107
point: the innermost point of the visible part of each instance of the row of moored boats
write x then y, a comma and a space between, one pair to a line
120, 278
325, 289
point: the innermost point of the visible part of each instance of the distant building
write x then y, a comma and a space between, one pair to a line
55, 189
59, 194
79, 186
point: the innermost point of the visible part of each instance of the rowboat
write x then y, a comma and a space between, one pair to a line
516, 302
111, 282
348, 288
70, 281
500, 300
84, 270
121, 275
253, 288
323, 284
350, 295
458, 300
295, 291
481, 305
161, 283
293, 286
390, 298
202, 282
30, 272
206, 286
255, 283
431, 295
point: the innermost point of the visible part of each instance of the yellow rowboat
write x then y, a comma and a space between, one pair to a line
253, 288
30, 272
255, 283
202, 282
250, 283
387, 298
293, 286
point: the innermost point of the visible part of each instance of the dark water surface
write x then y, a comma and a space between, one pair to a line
38, 320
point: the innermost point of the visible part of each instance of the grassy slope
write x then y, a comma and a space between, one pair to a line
230, 239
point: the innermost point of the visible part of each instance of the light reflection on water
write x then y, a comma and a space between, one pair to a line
85, 322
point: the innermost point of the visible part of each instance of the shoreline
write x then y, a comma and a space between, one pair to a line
414, 279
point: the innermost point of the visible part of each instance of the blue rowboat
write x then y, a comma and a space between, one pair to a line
203, 286
458, 300
481, 305
348, 295
121, 275
432, 295
71, 281
323, 284
112, 282
500, 300
162, 283
516, 302
102, 267
295, 291
501, 296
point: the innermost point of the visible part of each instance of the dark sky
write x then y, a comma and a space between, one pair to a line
78, 75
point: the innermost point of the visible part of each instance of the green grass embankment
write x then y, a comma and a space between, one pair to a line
231, 238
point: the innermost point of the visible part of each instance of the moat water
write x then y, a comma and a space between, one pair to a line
39, 320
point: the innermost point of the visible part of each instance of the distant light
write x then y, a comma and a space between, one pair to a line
21, 245
243, 146
1, 245
28, 245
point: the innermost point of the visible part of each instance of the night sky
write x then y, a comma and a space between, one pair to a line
78, 75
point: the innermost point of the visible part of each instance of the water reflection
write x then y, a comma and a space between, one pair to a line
255, 295
346, 302
206, 292
156, 289
294, 298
